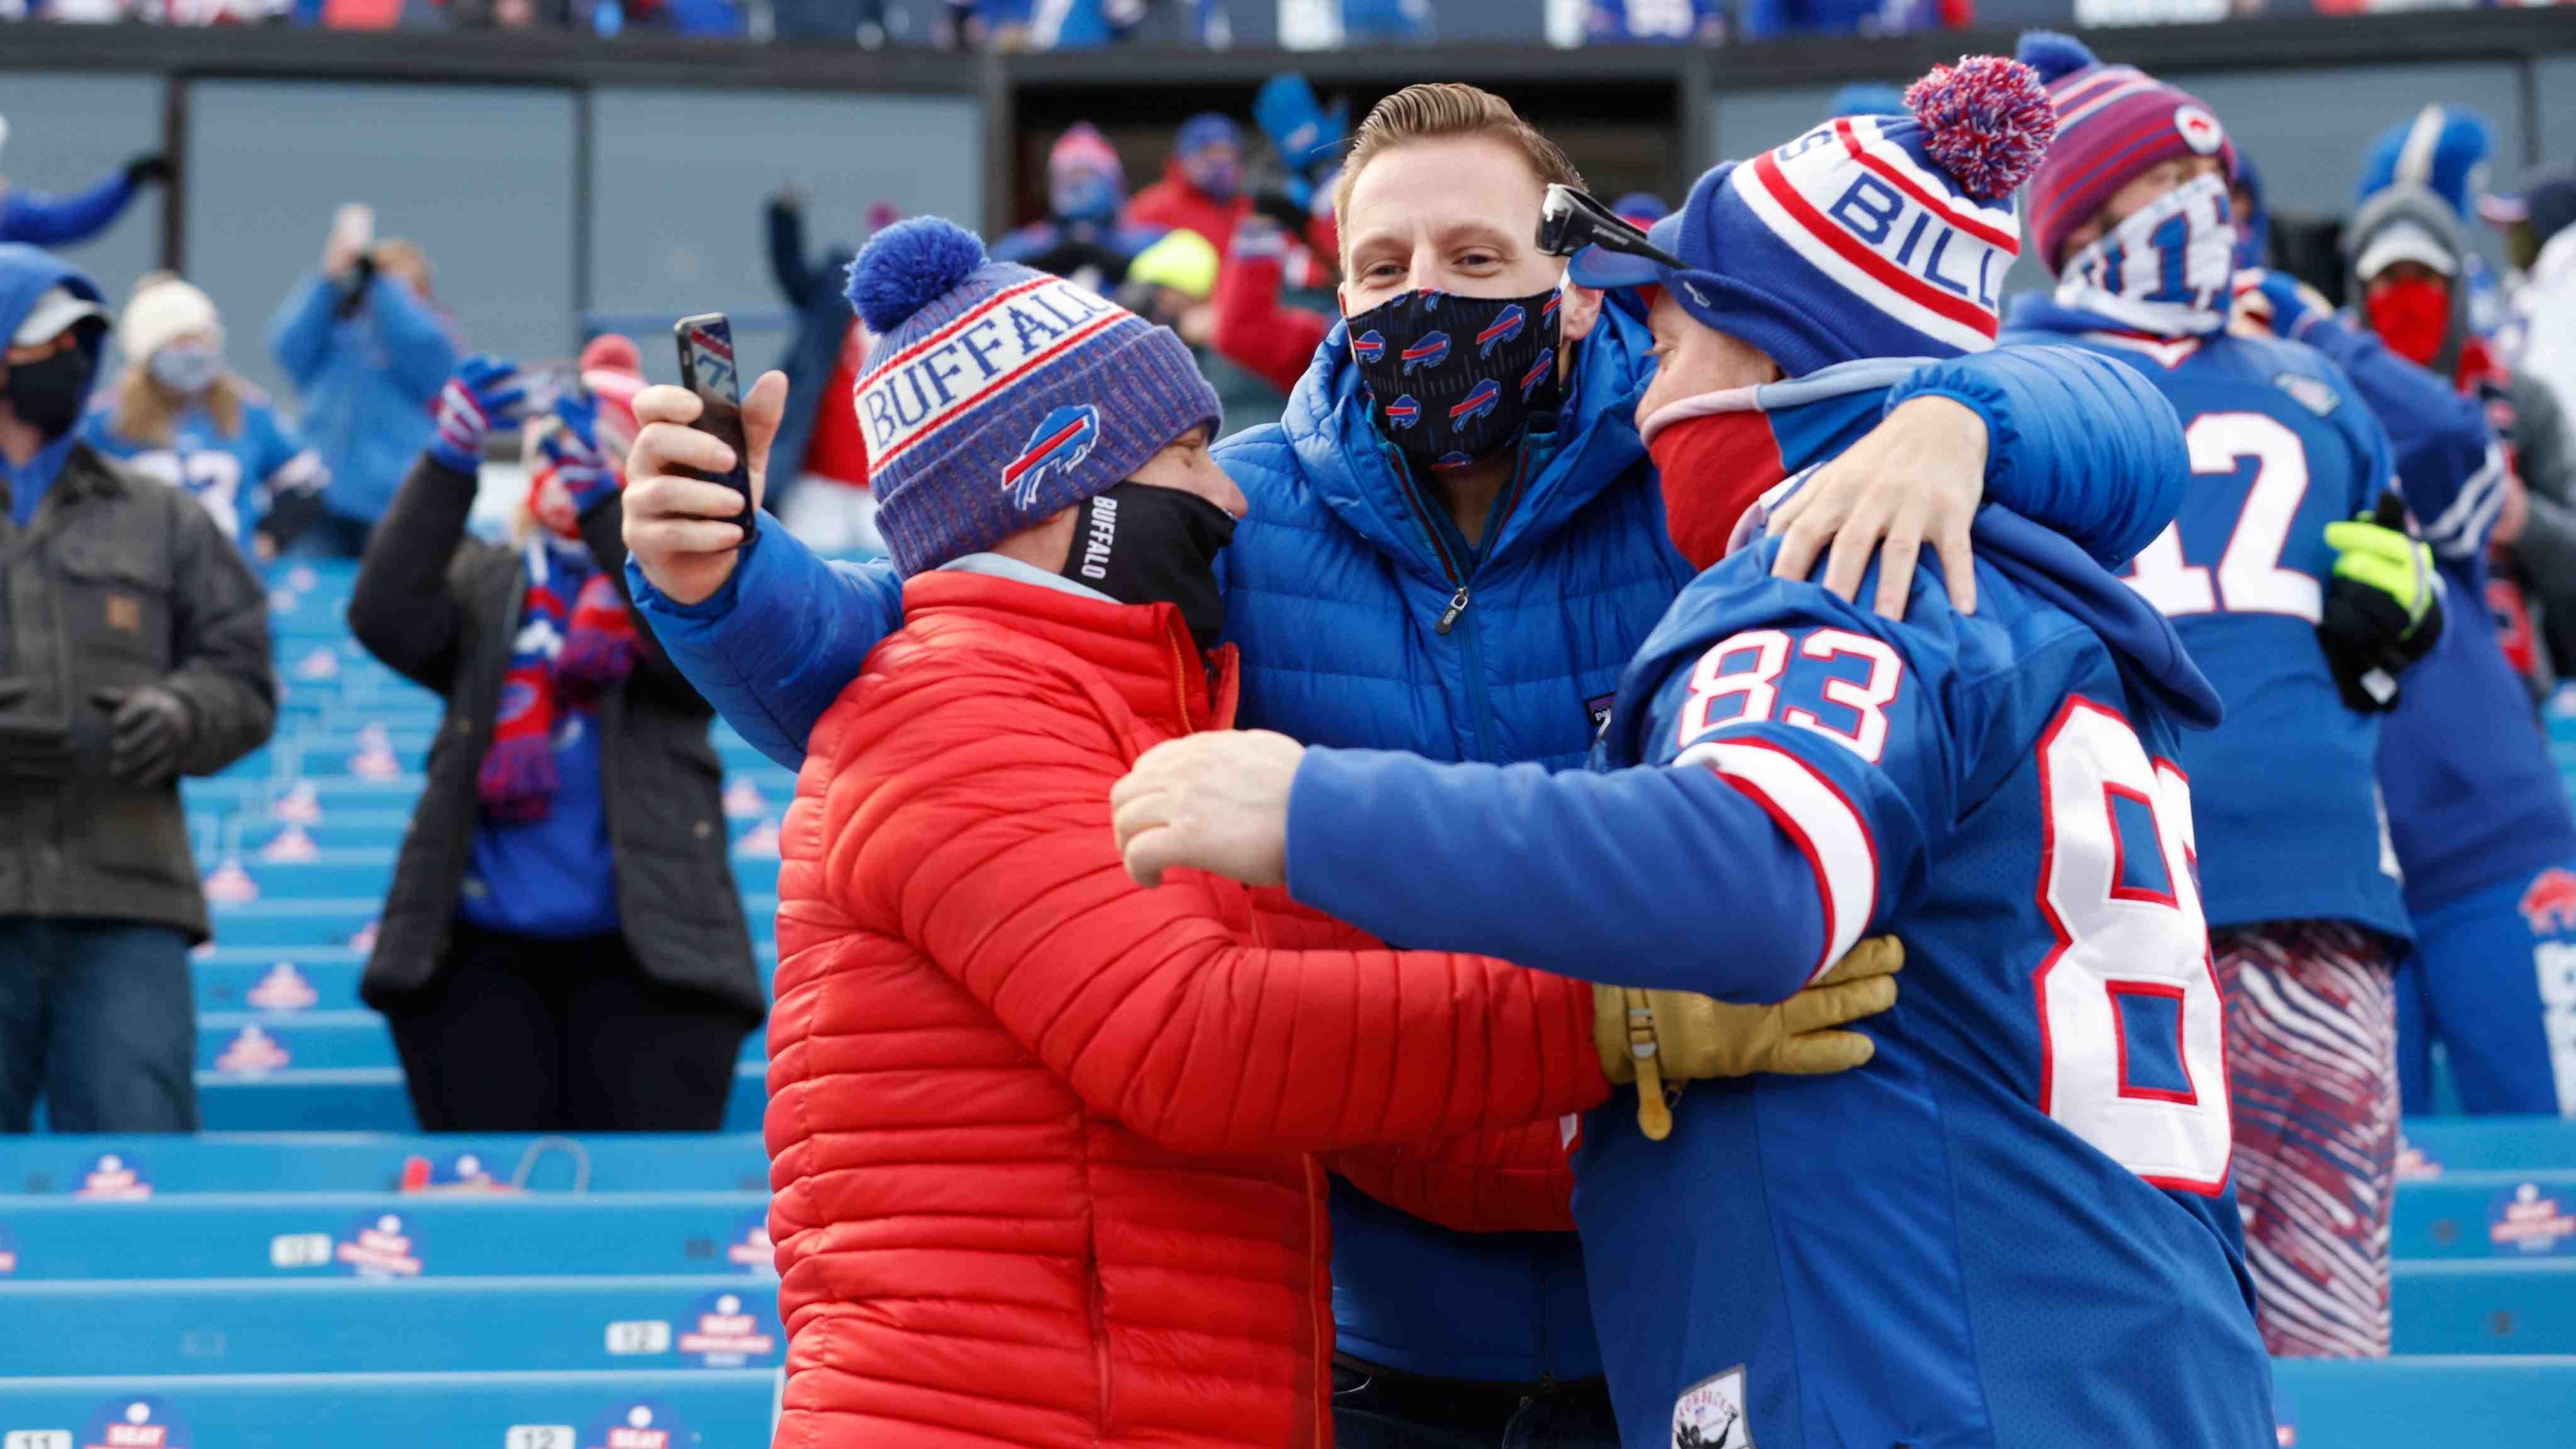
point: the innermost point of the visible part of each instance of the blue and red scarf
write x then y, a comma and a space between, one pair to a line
575, 641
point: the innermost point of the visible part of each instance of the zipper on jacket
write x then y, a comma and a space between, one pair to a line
1458, 603
1480, 724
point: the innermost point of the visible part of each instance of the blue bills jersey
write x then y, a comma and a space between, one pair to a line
237, 478
2290, 821
2014, 1226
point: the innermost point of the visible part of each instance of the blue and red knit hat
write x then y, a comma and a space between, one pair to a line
2113, 122
996, 397
1869, 236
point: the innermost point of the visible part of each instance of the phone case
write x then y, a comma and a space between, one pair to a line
707, 369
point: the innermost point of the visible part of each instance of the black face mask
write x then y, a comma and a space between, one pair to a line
47, 394
1457, 379
1140, 544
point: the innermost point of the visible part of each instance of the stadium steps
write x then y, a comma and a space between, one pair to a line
2485, 1306
370, 1162
705, 1409
298, 1235
256, 1044
232, 979
2434, 1403
371, 1099
152, 1327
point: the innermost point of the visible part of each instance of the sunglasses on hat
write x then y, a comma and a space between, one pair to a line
1570, 220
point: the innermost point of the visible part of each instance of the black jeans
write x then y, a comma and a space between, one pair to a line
96, 1018
527, 1034
1373, 1409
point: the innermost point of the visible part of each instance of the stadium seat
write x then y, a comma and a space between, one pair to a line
462, 1233
2485, 1307
347, 1324
366, 1162
700, 1409
371, 1099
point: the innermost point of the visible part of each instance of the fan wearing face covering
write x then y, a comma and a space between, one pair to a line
1202, 186
539, 941
1122, 1085
179, 414
1088, 238
2426, 294
1789, 773
2305, 607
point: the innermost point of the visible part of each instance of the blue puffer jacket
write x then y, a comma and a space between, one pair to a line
1365, 620
365, 382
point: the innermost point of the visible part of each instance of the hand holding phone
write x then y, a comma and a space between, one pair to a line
707, 368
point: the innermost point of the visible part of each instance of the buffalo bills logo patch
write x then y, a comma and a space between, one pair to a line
1507, 324
1479, 402
1368, 347
1540, 370
517, 698
1403, 413
1431, 351
2200, 130
2549, 903
1061, 442
1452, 460
1547, 310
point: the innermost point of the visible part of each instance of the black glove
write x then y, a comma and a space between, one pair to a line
2383, 608
1276, 204
147, 730
30, 749
149, 169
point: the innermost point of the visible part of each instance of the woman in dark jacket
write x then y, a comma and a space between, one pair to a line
563, 948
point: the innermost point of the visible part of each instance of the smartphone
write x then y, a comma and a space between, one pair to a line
707, 369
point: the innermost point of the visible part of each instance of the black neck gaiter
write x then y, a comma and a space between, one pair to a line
1140, 544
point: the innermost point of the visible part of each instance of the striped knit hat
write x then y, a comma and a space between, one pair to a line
996, 397
2113, 122
1869, 236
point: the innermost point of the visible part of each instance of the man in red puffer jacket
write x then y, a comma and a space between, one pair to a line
1041, 1139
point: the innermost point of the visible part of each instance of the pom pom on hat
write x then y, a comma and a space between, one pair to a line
611, 352
2053, 55
1986, 121
908, 266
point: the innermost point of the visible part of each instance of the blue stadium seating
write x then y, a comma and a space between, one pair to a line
697, 1409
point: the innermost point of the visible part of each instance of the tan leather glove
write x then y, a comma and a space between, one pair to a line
1654, 1037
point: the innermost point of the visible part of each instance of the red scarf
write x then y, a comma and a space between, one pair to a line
567, 652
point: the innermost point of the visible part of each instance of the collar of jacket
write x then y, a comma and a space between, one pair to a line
1142, 652
1345, 460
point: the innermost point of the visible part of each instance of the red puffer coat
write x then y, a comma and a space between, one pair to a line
1040, 1139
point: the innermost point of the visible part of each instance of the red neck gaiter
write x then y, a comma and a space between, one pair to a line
1717, 458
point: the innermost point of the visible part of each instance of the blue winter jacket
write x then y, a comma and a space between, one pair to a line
1365, 620
365, 382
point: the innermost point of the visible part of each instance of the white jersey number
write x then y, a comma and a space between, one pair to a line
2250, 577
2131, 972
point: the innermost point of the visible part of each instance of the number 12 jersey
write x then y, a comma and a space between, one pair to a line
2291, 826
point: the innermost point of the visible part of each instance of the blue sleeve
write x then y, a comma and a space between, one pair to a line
2073, 440
299, 336
780, 640
423, 356
57, 221
2444, 456
1763, 841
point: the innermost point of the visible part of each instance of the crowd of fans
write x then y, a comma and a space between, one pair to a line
1032, 24
563, 907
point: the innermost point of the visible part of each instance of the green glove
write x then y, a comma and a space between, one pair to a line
2383, 611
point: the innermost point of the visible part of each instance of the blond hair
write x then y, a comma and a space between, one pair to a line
1448, 108
146, 412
